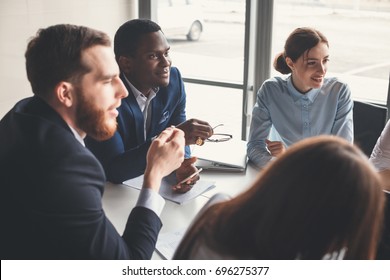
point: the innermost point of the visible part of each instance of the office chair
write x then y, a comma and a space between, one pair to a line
383, 252
388, 99
368, 121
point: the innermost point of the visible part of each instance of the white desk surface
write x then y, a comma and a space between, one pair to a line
119, 200
231, 183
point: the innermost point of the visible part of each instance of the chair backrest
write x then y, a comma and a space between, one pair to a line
383, 252
388, 99
368, 121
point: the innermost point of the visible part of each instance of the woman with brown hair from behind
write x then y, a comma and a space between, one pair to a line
320, 200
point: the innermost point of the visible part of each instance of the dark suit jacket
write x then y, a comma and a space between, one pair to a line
124, 155
51, 191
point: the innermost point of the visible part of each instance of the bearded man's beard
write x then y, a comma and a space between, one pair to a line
93, 120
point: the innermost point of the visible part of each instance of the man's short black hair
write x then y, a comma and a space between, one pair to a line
128, 35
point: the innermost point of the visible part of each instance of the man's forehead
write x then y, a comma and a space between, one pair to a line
153, 41
100, 60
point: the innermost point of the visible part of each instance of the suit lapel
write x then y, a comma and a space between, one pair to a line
136, 111
157, 107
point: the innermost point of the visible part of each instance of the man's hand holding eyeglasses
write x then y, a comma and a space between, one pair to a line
195, 129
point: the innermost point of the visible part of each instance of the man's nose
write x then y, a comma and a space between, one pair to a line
121, 91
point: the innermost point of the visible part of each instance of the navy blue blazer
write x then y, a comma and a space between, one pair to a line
124, 155
51, 194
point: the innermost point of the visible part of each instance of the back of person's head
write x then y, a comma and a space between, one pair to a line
300, 41
128, 35
54, 55
321, 197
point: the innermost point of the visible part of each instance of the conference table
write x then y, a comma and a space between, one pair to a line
119, 199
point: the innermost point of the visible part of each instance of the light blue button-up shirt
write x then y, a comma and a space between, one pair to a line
294, 116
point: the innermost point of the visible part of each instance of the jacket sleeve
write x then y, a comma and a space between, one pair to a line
119, 164
179, 114
81, 226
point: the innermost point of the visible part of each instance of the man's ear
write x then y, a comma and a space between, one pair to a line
124, 64
64, 93
290, 63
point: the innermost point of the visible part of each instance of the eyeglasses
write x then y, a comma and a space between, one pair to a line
219, 137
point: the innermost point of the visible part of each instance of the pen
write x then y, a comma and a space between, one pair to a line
191, 176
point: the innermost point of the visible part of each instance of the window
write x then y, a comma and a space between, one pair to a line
237, 40
358, 35
207, 45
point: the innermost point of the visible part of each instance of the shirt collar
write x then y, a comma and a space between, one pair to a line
137, 93
296, 95
77, 135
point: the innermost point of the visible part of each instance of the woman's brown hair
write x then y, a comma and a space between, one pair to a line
321, 196
300, 41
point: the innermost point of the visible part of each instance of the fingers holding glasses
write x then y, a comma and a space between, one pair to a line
196, 131
214, 137
199, 141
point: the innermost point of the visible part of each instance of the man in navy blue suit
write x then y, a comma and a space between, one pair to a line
51, 184
156, 100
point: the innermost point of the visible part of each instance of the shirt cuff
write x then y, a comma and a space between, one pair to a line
151, 200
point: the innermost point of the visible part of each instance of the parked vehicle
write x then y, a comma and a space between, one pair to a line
180, 17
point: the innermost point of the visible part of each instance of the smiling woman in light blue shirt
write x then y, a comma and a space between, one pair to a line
301, 104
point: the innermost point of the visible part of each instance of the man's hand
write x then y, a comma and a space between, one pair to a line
276, 148
194, 129
165, 154
186, 169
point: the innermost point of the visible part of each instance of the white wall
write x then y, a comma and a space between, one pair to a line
20, 19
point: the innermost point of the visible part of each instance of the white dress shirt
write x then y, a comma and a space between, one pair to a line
143, 103
380, 155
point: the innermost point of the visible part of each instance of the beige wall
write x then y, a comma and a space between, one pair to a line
20, 19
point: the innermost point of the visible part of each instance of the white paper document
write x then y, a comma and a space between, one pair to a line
167, 243
166, 188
